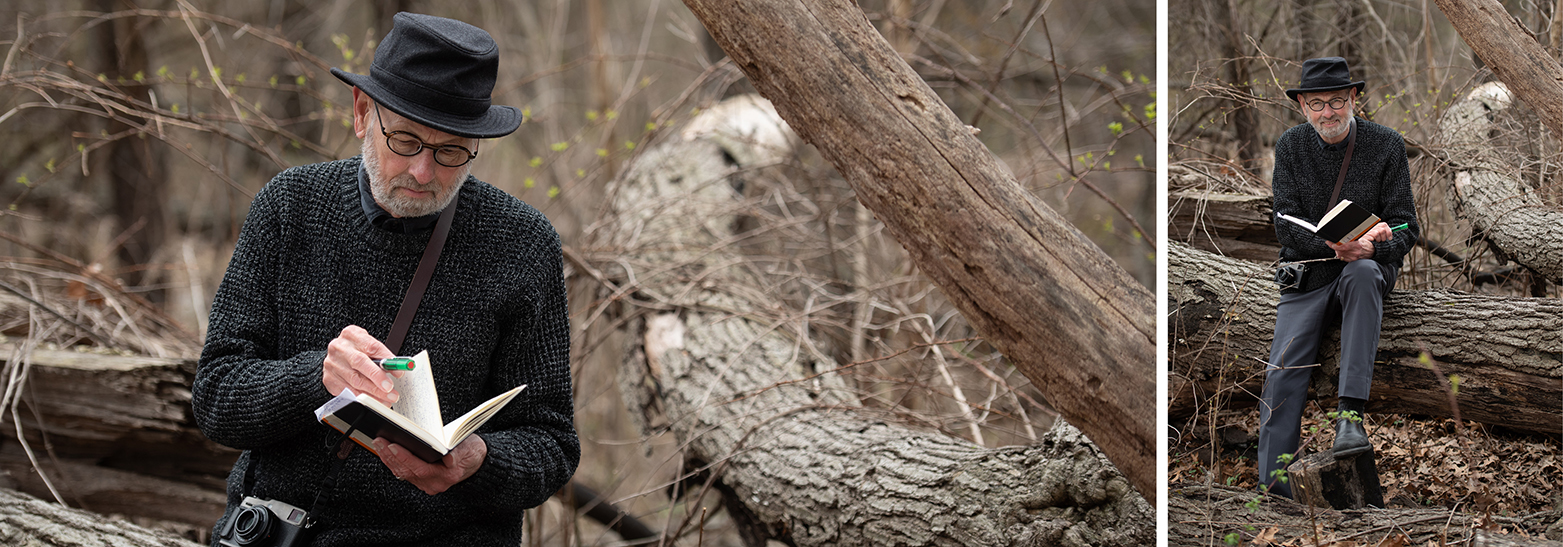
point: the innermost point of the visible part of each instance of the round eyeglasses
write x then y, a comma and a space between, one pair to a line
1335, 104
407, 144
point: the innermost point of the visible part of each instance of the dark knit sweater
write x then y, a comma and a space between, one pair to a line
309, 263
1378, 179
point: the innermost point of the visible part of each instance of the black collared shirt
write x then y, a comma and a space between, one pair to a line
382, 219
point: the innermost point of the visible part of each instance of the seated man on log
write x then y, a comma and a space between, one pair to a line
328, 258
1334, 156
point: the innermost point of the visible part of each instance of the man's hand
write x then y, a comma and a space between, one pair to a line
349, 363
1355, 250
1363, 247
1379, 232
433, 478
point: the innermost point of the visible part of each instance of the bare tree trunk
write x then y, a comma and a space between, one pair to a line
785, 439
1205, 516
1500, 207
27, 521
1347, 33
133, 165
1512, 54
1245, 119
1078, 326
1505, 350
1307, 29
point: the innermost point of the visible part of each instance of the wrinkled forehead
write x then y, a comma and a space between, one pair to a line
396, 122
1326, 95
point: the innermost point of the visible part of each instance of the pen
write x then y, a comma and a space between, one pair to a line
1400, 227
396, 363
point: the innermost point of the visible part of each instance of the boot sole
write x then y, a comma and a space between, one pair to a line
1350, 452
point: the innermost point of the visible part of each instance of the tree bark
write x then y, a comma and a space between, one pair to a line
1512, 54
1486, 191
1320, 480
1233, 225
30, 522
1200, 516
1078, 326
131, 413
1507, 351
796, 457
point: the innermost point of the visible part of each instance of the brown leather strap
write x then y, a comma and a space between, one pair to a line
420, 280
1351, 143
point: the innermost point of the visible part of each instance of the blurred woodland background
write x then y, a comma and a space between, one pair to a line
1230, 62
139, 131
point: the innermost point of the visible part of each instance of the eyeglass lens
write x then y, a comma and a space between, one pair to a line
449, 155
403, 144
1335, 104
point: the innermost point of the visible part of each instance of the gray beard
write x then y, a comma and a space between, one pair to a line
404, 207
1340, 130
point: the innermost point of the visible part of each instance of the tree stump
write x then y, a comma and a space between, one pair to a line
1323, 481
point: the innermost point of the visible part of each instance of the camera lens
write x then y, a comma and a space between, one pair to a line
252, 525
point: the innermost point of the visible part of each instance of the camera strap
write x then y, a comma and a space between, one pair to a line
393, 342
1351, 143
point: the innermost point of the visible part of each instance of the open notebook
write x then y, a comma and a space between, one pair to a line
414, 421
1346, 222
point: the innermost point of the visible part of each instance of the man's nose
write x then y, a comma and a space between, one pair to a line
421, 166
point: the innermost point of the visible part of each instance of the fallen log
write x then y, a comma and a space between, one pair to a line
1075, 323
1233, 225
113, 434
1487, 190
183, 507
1506, 351
28, 521
1205, 211
773, 424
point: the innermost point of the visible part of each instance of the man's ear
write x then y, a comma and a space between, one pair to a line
361, 108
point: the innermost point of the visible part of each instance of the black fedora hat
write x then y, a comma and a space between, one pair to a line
438, 72
1325, 74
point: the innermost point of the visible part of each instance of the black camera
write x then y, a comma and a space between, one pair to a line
264, 523
1291, 276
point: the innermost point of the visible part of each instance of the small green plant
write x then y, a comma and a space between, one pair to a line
1279, 475
1233, 538
1352, 415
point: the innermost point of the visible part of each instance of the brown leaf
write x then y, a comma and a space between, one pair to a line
1394, 540
1266, 536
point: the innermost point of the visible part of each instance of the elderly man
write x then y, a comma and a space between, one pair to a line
319, 276
1335, 156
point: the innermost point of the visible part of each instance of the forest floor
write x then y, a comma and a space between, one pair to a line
1422, 462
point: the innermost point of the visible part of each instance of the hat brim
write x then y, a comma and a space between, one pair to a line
1294, 92
498, 121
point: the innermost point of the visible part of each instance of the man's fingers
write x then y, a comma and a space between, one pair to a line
430, 478
347, 365
364, 342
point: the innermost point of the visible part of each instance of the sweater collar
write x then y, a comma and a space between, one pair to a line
382, 219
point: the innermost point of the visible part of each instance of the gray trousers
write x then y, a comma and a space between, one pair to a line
1358, 297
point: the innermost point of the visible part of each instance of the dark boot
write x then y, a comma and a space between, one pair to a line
1350, 439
